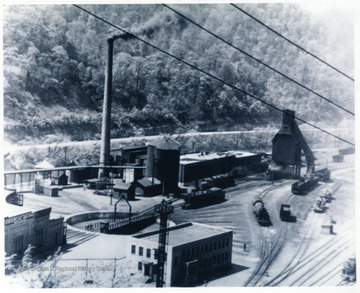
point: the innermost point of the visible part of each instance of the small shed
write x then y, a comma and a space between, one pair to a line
126, 189
148, 187
51, 191
59, 178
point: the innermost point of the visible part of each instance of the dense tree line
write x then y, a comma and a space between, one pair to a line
54, 60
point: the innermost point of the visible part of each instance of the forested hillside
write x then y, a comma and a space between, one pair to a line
54, 63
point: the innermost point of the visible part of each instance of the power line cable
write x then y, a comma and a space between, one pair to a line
206, 73
258, 60
291, 42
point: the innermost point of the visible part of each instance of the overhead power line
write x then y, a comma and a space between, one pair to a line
291, 42
206, 73
258, 60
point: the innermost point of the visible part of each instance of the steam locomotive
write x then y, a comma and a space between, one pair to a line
348, 273
261, 213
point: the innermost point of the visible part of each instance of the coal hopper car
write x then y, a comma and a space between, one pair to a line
304, 184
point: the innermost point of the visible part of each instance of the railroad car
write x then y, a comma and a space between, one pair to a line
220, 181
285, 212
324, 174
261, 213
348, 272
203, 197
347, 151
304, 184
338, 158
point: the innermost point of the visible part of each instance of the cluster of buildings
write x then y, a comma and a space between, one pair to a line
194, 251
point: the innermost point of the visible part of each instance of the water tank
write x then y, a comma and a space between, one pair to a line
163, 163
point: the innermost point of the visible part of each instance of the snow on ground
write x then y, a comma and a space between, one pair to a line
102, 249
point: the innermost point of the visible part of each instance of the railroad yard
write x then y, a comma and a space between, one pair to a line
292, 253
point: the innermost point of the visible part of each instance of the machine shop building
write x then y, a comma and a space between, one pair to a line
24, 227
197, 166
194, 252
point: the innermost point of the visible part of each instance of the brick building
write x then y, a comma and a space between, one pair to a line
194, 252
36, 228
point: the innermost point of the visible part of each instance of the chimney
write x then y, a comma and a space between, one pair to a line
105, 155
106, 120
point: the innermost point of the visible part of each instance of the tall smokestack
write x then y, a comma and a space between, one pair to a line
106, 119
105, 156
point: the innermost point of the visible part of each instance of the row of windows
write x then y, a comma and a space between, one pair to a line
215, 259
204, 249
141, 251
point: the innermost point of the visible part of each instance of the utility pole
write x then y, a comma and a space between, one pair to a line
164, 209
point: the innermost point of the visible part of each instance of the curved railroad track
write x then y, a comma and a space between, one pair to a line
271, 246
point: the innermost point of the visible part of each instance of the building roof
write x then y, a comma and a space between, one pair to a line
146, 182
122, 186
58, 173
200, 157
165, 143
185, 233
15, 211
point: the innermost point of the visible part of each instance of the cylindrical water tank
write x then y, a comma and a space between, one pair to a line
163, 163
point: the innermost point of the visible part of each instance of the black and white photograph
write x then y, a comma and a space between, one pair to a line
180, 145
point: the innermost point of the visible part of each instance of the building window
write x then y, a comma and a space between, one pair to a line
210, 247
219, 244
140, 266
215, 245
193, 252
176, 261
133, 249
155, 254
197, 251
218, 258
226, 255
206, 248
39, 238
227, 242
222, 257
148, 252
202, 249
223, 243
19, 242
141, 250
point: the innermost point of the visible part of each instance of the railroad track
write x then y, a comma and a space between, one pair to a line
301, 269
271, 247
299, 255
